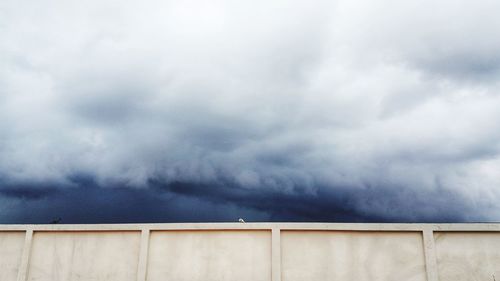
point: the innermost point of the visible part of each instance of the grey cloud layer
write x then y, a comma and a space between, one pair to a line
401, 97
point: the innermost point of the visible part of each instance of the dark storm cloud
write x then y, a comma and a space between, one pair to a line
337, 111
335, 204
86, 202
181, 202
27, 192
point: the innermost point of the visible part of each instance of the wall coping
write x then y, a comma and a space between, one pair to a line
258, 226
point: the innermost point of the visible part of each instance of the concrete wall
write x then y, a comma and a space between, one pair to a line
250, 252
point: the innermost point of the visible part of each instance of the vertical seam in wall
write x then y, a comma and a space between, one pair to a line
143, 255
430, 255
22, 274
276, 254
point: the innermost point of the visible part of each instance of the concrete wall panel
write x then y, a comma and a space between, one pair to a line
209, 256
250, 252
78, 256
468, 256
352, 256
11, 248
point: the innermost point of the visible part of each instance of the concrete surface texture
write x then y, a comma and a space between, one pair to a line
250, 251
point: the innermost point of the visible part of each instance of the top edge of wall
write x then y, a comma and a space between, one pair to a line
258, 226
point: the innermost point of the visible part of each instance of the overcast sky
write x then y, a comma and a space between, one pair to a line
163, 111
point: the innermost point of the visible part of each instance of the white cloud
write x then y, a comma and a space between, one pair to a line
281, 94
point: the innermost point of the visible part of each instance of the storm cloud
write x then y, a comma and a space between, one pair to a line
196, 111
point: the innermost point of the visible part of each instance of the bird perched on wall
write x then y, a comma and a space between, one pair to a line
241, 220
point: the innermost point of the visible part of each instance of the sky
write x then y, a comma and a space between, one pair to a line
198, 111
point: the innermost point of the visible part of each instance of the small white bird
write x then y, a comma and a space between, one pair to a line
241, 220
